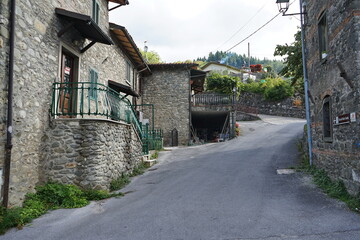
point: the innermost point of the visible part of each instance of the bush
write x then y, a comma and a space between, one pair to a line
279, 92
273, 89
62, 195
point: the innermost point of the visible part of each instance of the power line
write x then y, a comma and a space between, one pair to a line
241, 28
254, 32
257, 30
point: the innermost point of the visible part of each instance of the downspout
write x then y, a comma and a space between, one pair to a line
306, 84
9, 128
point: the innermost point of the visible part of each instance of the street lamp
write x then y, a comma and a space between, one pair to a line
283, 6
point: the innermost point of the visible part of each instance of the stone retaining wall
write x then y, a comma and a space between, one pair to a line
89, 153
284, 108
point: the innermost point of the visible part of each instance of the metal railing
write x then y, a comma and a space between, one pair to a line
203, 99
80, 99
152, 139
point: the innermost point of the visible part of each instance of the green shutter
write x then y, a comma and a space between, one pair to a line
95, 11
94, 77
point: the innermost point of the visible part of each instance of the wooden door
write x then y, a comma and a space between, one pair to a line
67, 91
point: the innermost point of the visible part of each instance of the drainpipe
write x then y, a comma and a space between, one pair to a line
9, 129
306, 85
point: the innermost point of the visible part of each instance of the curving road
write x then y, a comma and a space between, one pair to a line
218, 191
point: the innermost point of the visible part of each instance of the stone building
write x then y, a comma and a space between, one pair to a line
333, 60
168, 88
76, 78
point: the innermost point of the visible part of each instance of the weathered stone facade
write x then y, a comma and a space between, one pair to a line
336, 147
90, 153
168, 88
38, 57
255, 103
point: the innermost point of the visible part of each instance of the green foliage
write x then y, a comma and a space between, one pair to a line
221, 83
155, 155
139, 169
273, 89
120, 182
293, 58
278, 92
50, 196
95, 195
62, 195
151, 56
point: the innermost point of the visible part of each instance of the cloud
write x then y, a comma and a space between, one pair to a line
181, 30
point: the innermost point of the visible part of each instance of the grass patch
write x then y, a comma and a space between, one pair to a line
47, 197
334, 189
120, 182
155, 155
139, 169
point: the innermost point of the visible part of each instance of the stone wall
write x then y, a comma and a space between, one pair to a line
255, 103
169, 91
339, 155
90, 153
37, 65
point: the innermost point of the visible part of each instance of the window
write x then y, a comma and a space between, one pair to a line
323, 36
327, 123
95, 11
128, 73
94, 76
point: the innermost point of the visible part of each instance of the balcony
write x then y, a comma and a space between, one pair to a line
92, 100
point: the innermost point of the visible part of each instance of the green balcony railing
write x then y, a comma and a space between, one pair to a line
80, 99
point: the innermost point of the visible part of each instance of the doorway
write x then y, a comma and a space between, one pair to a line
68, 86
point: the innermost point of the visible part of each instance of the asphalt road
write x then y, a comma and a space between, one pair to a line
218, 191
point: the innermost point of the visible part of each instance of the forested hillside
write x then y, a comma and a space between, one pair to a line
236, 60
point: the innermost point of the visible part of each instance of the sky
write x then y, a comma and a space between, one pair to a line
188, 29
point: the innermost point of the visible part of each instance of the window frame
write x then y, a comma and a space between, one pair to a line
93, 79
95, 14
327, 119
128, 73
323, 35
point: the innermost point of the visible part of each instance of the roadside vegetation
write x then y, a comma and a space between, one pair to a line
272, 89
48, 197
334, 189
54, 195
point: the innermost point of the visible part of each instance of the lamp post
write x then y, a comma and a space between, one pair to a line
283, 6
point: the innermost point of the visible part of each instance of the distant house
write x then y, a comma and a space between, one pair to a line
76, 82
221, 68
333, 60
230, 70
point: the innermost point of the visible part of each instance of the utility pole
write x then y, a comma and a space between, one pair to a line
249, 53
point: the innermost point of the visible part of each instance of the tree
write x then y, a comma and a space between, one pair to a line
221, 83
293, 58
151, 57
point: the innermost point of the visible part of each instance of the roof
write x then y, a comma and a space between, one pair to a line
84, 25
166, 66
118, 87
127, 44
122, 2
220, 64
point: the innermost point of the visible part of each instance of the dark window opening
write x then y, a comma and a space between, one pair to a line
327, 123
323, 36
